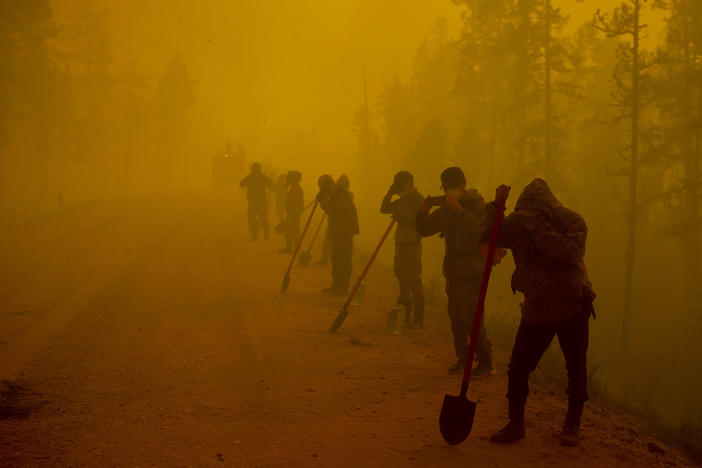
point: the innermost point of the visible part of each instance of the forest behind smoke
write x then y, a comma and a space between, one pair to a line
604, 103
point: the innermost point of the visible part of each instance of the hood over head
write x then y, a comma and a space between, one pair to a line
538, 196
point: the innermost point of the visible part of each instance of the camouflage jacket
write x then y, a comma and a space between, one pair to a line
461, 233
404, 212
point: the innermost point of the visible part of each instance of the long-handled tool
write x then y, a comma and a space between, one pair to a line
458, 412
345, 310
286, 278
306, 256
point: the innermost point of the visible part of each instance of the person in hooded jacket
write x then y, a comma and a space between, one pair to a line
460, 219
547, 241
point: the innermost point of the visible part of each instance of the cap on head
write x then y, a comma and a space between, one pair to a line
452, 178
403, 178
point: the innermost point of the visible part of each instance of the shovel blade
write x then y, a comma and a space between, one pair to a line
286, 283
456, 419
339, 320
305, 258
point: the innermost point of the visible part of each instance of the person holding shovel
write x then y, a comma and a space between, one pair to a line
460, 219
294, 205
336, 200
548, 244
407, 263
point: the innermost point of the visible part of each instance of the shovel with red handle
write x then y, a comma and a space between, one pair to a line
306, 256
345, 310
458, 412
286, 277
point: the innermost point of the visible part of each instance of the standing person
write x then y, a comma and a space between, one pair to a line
256, 184
294, 205
548, 245
280, 189
326, 247
407, 263
459, 219
337, 202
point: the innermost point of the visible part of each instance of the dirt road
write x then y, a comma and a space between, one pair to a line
151, 332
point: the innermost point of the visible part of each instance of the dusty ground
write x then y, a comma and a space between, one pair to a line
152, 333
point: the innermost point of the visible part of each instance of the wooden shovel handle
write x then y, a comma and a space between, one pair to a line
316, 233
480, 308
368, 265
299, 242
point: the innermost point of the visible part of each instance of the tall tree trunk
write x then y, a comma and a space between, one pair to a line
64, 154
548, 117
632, 215
691, 229
3, 185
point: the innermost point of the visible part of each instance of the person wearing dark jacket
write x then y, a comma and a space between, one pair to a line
407, 263
280, 189
547, 241
294, 205
460, 219
336, 200
256, 185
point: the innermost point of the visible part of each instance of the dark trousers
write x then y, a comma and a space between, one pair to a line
326, 246
462, 301
341, 251
530, 344
408, 270
292, 232
258, 219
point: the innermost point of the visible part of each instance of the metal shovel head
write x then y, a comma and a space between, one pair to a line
286, 283
456, 419
305, 258
339, 320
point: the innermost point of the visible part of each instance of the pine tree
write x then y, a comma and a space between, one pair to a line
625, 21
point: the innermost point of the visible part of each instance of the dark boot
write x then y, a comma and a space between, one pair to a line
484, 369
514, 430
570, 436
408, 312
418, 319
458, 366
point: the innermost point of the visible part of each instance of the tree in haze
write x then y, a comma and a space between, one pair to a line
484, 65
397, 116
131, 124
85, 49
9, 15
175, 95
373, 167
679, 96
551, 54
625, 22
431, 151
27, 87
